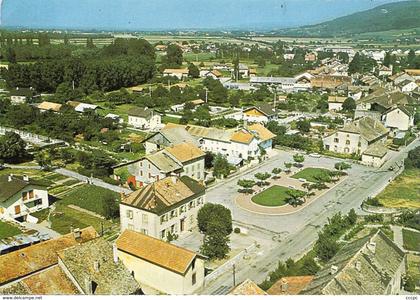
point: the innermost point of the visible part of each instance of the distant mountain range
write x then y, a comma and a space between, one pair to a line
392, 16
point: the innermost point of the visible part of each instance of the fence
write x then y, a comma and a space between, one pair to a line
32, 137
227, 266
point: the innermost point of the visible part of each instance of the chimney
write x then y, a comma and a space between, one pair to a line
96, 266
372, 247
26, 178
284, 285
358, 266
333, 269
115, 253
77, 233
88, 286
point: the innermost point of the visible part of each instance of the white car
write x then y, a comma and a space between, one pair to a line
315, 155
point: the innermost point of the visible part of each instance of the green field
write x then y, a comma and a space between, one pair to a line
312, 174
403, 192
273, 196
413, 262
65, 218
411, 240
7, 230
89, 197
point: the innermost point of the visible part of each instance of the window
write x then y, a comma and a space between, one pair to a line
31, 194
162, 234
194, 278
163, 219
25, 196
336, 140
193, 264
347, 142
145, 219
130, 214
144, 231
130, 227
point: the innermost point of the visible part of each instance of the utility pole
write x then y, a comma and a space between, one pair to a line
207, 94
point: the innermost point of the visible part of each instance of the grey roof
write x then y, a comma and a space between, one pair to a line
370, 129
10, 188
359, 270
141, 112
272, 80
178, 135
210, 133
111, 278
387, 99
377, 149
163, 162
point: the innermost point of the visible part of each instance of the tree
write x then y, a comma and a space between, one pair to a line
276, 172
303, 126
326, 247
90, 44
262, 177
110, 207
218, 212
342, 166
43, 158
295, 197
298, 158
352, 217
387, 59
12, 147
216, 242
174, 57
193, 71
221, 166
247, 185
349, 104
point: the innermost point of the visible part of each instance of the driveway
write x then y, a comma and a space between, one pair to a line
93, 181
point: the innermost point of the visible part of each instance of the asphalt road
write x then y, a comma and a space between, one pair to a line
299, 230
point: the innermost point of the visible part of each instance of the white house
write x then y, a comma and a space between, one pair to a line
375, 155
384, 71
21, 196
168, 206
335, 103
399, 117
161, 266
179, 73
356, 137
170, 135
21, 95
144, 118
259, 114
407, 86
180, 159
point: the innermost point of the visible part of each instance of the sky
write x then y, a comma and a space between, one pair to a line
175, 14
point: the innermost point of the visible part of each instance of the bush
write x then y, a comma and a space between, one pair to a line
376, 218
373, 202
237, 230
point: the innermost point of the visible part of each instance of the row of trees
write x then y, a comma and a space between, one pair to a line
86, 75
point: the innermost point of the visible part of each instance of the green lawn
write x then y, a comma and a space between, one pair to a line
311, 174
89, 197
41, 215
273, 196
65, 217
7, 230
413, 262
411, 240
403, 192
168, 119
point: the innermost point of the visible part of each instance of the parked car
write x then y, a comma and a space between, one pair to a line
315, 155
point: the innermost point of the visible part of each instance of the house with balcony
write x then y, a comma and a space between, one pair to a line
167, 207
21, 196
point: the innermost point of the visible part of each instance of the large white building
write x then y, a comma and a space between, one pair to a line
144, 118
181, 159
356, 137
21, 196
166, 207
160, 266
